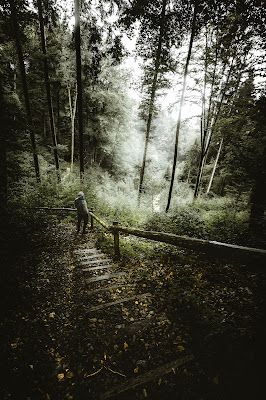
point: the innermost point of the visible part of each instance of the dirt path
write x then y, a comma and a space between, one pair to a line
81, 326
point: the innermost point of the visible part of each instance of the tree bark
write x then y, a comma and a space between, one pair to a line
152, 98
79, 86
205, 143
48, 90
193, 29
214, 167
258, 198
3, 156
25, 88
72, 116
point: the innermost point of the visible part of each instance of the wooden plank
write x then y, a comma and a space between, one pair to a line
147, 377
223, 249
92, 256
87, 251
98, 267
106, 288
105, 277
113, 303
100, 222
91, 262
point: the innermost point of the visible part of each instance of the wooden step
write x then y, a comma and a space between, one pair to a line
98, 267
86, 251
146, 377
112, 287
93, 256
104, 277
123, 300
89, 262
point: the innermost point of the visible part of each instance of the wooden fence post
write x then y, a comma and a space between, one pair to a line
116, 240
92, 210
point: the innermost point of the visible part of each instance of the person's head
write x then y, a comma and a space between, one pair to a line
81, 195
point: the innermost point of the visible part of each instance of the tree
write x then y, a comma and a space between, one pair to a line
258, 194
193, 30
48, 89
226, 55
16, 32
153, 92
79, 86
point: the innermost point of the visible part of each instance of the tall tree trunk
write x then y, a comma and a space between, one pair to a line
79, 86
58, 113
3, 157
204, 121
72, 117
152, 97
211, 127
25, 88
181, 103
48, 89
214, 167
258, 198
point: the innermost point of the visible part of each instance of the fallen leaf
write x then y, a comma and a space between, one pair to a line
60, 377
125, 346
181, 348
136, 370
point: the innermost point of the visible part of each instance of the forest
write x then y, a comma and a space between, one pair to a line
156, 110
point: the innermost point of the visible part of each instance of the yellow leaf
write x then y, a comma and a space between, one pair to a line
52, 314
216, 380
136, 370
181, 348
136, 302
144, 285
60, 377
125, 346
115, 347
160, 381
69, 374
146, 346
47, 396
142, 340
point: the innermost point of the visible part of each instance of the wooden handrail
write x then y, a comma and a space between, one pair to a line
225, 249
99, 221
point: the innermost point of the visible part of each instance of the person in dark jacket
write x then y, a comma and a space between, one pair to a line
82, 209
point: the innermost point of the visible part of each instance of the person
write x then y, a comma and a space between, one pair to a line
83, 213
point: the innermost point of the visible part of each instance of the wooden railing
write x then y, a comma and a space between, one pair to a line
201, 245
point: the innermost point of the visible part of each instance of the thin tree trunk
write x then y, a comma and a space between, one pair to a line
48, 89
214, 167
258, 198
3, 152
25, 88
79, 86
203, 122
152, 98
206, 145
181, 104
58, 113
72, 116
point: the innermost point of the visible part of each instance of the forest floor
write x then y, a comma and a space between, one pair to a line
209, 316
